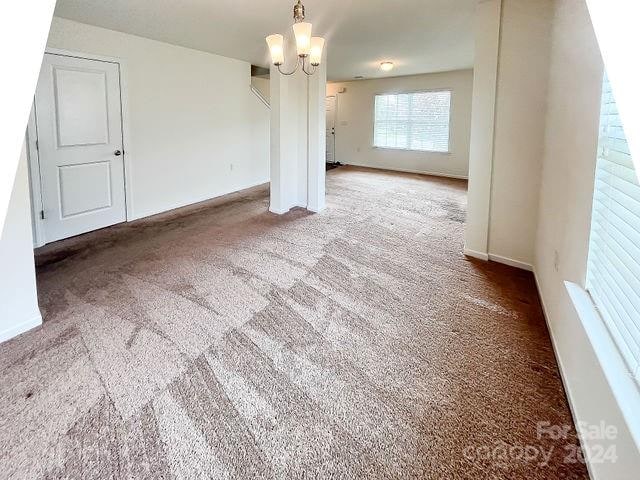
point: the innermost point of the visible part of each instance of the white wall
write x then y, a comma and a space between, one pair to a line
197, 131
523, 67
354, 125
566, 193
18, 299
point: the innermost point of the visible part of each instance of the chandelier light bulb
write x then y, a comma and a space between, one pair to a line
317, 45
302, 31
276, 48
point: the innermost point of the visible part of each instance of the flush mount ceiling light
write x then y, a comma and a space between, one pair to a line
307, 47
386, 66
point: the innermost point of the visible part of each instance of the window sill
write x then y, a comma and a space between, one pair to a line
624, 388
410, 150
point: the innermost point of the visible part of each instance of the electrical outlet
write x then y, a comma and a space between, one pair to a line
556, 260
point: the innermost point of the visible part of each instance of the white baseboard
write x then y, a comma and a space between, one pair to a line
475, 254
565, 381
316, 208
511, 262
406, 170
277, 211
499, 259
32, 321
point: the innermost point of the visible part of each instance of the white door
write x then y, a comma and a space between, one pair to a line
331, 129
79, 125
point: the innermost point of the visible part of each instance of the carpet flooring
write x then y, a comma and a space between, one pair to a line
223, 341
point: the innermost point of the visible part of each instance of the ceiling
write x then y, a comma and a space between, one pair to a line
419, 36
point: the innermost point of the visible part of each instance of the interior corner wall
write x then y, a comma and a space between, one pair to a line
566, 196
355, 115
521, 99
197, 130
485, 72
18, 295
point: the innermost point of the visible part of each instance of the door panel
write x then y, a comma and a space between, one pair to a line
330, 104
82, 107
84, 188
79, 123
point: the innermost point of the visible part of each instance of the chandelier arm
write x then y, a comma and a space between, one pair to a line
305, 70
293, 71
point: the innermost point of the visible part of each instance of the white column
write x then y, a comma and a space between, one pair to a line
317, 138
301, 95
279, 202
297, 140
487, 38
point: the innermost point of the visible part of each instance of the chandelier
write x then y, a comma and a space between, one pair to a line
308, 48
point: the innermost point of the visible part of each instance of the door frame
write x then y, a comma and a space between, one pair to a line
39, 237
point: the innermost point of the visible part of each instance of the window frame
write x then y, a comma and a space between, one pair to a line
408, 92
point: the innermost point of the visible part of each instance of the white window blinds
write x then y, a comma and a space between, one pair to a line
413, 121
613, 276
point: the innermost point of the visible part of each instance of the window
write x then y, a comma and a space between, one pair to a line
613, 274
413, 121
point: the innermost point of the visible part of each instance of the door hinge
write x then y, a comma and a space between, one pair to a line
37, 145
41, 214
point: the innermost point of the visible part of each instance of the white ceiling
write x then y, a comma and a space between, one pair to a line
419, 36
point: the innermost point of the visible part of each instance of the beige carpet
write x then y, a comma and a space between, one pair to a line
223, 341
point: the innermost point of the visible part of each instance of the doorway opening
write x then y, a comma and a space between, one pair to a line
331, 107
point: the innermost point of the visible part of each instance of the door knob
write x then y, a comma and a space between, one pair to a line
117, 153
